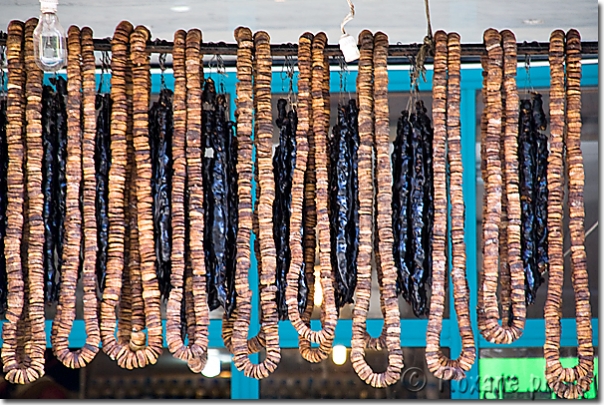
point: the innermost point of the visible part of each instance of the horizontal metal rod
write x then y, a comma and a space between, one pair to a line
394, 50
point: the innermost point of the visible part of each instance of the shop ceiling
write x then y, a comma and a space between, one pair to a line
403, 21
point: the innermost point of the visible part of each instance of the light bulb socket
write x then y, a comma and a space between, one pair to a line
49, 6
349, 48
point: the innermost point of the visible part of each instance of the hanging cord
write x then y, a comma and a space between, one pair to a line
349, 17
290, 66
221, 71
162, 68
343, 73
105, 68
527, 68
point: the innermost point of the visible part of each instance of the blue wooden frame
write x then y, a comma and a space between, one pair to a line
414, 329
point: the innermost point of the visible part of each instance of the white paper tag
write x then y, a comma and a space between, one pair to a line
349, 48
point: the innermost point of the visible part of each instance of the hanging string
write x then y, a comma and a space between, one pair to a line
105, 64
418, 68
527, 68
221, 71
162, 68
349, 17
343, 74
290, 65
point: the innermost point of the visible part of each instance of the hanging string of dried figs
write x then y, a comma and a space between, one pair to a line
447, 152
374, 51
80, 162
300, 266
316, 211
244, 168
501, 141
265, 189
186, 313
565, 140
24, 337
3, 186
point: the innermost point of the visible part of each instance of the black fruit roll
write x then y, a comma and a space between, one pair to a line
526, 161
283, 168
352, 118
49, 143
340, 205
541, 192
416, 219
209, 155
428, 133
160, 134
232, 224
400, 203
59, 175
102, 162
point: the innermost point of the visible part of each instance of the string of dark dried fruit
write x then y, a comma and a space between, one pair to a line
489, 312
301, 268
219, 204
527, 162
344, 203
541, 192
262, 80
567, 382
284, 160
373, 68
160, 136
49, 143
3, 201
80, 162
533, 193
102, 158
447, 150
24, 338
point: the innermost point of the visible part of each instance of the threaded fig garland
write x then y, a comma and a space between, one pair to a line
566, 382
447, 135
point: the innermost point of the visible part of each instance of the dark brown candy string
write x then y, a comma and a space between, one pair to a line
160, 137
284, 160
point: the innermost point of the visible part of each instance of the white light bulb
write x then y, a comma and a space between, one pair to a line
212, 368
338, 355
50, 44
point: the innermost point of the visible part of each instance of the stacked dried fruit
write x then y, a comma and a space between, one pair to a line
23, 333
310, 201
565, 141
3, 199
80, 169
502, 210
447, 154
266, 191
372, 91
